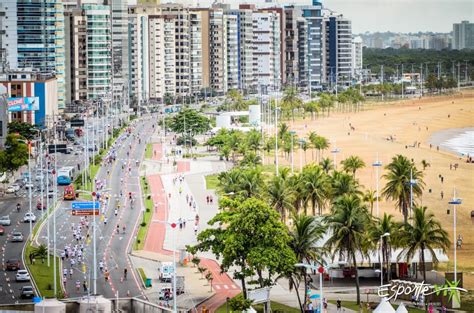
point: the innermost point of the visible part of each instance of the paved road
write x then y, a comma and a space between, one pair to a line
112, 247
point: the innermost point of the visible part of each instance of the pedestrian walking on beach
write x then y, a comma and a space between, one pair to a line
442, 195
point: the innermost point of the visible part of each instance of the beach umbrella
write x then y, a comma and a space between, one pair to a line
384, 307
401, 309
315, 296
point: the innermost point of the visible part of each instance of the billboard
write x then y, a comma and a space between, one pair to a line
23, 104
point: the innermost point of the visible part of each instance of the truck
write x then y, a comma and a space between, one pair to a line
166, 291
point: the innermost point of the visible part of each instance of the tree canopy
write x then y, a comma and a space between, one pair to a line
189, 120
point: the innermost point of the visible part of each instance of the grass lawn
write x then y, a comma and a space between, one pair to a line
142, 275
276, 308
211, 181
149, 151
42, 274
147, 214
352, 305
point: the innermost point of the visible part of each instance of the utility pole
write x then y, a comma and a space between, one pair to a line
381, 78
465, 73
459, 77
421, 78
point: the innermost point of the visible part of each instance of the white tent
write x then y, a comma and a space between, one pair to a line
401, 309
384, 307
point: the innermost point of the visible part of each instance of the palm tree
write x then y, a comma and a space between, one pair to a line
305, 234
398, 183
312, 139
348, 223
385, 225
291, 100
251, 159
320, 143
424, 233
254, 140
352, 164
281, 196
327, 101
315, 187
370, 197
282, 131
425, 164
313, 107
40, 252
326, 165
229, 181
342, 184
251, 183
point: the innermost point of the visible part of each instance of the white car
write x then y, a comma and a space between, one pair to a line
29, 217
29, 185
22, 275
13, 188
17, 237
5, 221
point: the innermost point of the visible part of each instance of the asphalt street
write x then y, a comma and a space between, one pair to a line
113, 243
9, 287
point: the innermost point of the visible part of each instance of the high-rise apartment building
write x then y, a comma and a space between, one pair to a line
120, 47
290, 72
266, 40
34, 38
99, 59
463, 35
196, 68
315, 53
338, 48
217, 51
233, 53
357, 50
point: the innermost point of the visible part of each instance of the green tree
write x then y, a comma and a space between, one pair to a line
348, 223
320, 143
25, 130
281, 195
40, 252
343, 184
250, 238
316, 187
398, 183
326, 165
291, 101
380, 227
251, 159
305, 234
15, 154
312, 107
189, 121
327, 101
424, 233
352, 164
370, 197
254, 140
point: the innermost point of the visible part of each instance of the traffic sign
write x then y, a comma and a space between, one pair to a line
84, 212
76, 205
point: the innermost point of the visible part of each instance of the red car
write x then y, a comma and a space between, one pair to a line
2, 230
38, 206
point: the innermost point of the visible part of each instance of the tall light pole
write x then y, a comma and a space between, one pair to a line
455, 201
320, 270
292, 133
377, 164
381, 257
334, 152
30, 187
94, 238
412, 183
276, 136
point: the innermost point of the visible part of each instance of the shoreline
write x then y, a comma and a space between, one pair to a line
439, 137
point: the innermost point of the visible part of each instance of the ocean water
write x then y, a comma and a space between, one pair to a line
461, 143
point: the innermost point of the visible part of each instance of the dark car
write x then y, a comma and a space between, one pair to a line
27, 292
13, 265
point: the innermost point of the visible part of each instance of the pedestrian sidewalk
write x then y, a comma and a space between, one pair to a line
196, 288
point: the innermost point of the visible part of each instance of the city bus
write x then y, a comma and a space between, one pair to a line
65, 175
69, 193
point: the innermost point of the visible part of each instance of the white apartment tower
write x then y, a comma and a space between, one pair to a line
266, 30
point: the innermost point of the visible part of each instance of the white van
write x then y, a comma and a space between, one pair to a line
166, 271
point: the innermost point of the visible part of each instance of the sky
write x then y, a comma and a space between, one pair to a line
385, 15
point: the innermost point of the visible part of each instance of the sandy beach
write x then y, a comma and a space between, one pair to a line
412, 123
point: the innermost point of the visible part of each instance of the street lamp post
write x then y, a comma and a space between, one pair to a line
377, 164
455, 201
292, 133
412, 183
381, 256
320, 270
334, 152
276, 136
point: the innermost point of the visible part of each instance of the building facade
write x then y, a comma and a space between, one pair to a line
463, 35
357, 57
315, 51
26, 84
34, 38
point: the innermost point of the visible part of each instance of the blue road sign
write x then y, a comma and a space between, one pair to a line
85, 205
